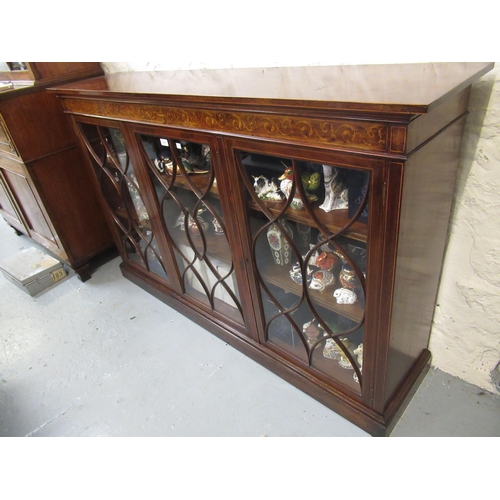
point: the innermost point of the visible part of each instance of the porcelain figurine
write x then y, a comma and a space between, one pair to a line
286, 182
280, 247
326, 247
217, 227
312, 258
321, 280
327, 260
311, 181
311, 331
286, 185
348, 278
297, 203
205, 152
336, 193
333, 351
195, 228
296, 274
345, 296
359, 355
163, 165
266, 189
180, 222
193, 160
139, 206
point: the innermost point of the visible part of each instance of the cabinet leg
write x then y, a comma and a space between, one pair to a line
83, 272
18, 233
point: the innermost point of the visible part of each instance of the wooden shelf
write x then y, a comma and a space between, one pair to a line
332, 221
200, 181
216, 245
280, 276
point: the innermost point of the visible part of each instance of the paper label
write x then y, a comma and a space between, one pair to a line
58, 274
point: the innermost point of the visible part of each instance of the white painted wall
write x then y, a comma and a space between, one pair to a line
465, 338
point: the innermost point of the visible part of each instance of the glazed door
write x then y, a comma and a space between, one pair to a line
182, 171
308, 217
124, 197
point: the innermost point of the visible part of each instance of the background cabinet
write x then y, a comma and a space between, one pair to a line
305, 224
45, 191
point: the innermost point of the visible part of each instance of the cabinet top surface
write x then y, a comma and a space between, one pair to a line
384, 88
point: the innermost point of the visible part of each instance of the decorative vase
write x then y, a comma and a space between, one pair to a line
280, 247
304, 236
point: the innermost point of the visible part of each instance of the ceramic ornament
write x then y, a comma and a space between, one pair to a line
336, 193
282, 253
163, 165
286, 186
267, 190
321, 280
312, 332
194, 228
345, 296
217, 227
359, 355
304, 235
348, 278
333, 351
327, 260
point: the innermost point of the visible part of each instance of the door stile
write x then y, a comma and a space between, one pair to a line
232, 199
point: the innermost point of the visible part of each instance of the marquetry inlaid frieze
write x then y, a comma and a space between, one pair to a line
350, 134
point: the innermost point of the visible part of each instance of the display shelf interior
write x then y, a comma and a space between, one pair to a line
215, 245
334, 221
280, 276
324, 366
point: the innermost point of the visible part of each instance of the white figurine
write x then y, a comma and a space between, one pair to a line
345, 296
266, 190
336, 194
333, 351
359, 355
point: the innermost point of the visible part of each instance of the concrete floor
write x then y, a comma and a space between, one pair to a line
104, 358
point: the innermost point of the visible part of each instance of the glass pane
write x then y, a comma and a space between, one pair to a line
122, 192
186, 189
309, 242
